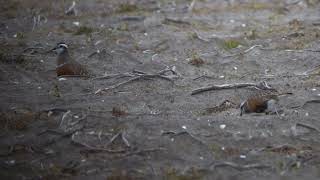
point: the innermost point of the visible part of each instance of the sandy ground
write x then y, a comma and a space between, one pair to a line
153, 128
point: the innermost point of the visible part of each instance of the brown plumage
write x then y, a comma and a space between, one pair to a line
66, 65
264, 101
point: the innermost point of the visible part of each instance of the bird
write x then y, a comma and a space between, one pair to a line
265, 100
66, 65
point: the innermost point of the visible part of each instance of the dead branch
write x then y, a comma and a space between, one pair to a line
229, 86
308, 127
137, 75
238, 166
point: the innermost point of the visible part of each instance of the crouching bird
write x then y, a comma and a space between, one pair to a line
263, 101
66, 65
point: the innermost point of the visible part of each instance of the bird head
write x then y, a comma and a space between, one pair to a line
60, 48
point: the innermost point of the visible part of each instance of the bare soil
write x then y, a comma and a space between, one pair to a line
152, 127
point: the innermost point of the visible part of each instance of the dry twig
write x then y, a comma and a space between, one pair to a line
308, 127
137, 75
290, 50
64, 117
123, 138
238, 166
109, 76
261, 85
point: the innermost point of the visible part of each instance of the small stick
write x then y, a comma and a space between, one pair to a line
64, 116
124, 139
117, 85
308, 127
31, 48
223, 86
137, 75
291, 50
113, 138
109, 76
238, 166
92, 54
252, 47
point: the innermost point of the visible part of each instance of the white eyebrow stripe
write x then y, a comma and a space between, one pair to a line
64, 45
